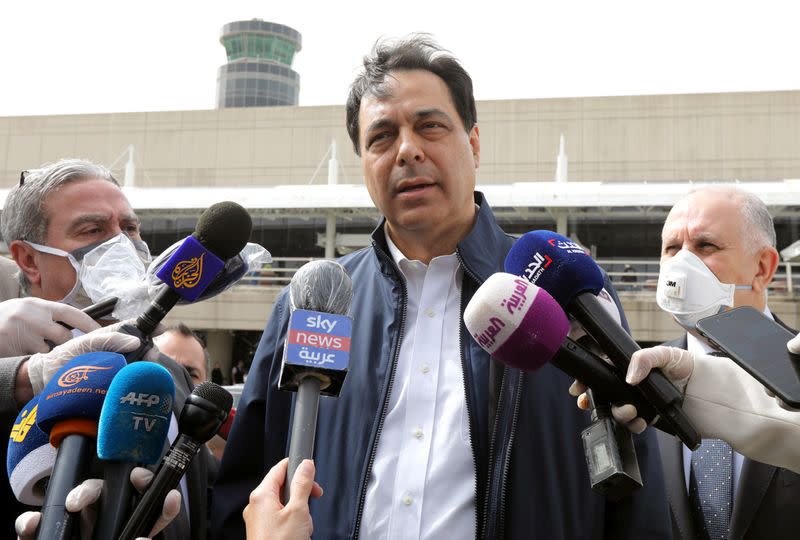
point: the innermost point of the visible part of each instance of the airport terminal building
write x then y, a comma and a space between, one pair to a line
624, 162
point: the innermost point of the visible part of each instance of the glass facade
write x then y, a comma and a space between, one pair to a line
258, 72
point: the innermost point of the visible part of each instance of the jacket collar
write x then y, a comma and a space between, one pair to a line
481, 252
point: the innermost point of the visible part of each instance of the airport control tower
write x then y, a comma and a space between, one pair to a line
259, 70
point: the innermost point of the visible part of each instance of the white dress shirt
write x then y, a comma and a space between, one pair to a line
698, 346
422, 483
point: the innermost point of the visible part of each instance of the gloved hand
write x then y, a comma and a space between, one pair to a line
25, 324
42, 366
83, 498
267, 518
676, 364
794, 345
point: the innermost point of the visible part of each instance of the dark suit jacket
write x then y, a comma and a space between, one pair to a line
766, 504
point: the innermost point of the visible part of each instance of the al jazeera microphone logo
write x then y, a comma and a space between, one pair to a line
187, 273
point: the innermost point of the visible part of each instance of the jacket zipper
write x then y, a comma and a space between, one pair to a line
470, 412
506, 461
392, 370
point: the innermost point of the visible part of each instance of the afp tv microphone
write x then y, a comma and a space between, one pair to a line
134, 422
317, 350
561, 267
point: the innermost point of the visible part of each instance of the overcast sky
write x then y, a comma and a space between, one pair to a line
108, 56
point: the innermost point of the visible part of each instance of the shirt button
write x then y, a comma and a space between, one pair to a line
430, 313
424, 368
417, 433
407, 500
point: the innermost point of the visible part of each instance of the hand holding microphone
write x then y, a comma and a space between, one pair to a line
563, 268
41, 366
267, 517
26, 324
83, 500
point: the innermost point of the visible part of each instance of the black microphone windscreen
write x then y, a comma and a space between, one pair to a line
224, 229
215, 394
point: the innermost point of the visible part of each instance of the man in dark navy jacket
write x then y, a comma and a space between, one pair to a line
430, 438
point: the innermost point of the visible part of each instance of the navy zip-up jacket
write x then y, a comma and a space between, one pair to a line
532, 480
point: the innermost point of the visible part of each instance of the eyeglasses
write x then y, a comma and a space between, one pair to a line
22, 177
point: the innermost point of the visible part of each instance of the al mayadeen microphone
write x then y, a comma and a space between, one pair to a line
69, 409
562, 268
134, 422
204, 411
317, 350
30, 457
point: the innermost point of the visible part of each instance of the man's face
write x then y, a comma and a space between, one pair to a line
80, 213
186, 351
709, 224
418, 161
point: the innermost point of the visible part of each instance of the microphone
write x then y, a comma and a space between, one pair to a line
317, 350
69, 408
522, 326
562, 268
222, 231
202, 415
134, 422
30, 457
610, 453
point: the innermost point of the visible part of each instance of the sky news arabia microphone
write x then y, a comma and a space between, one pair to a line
30, 457
317, 350
69, 409
222, 231
561, 267
522, 326
204, 411
134, 422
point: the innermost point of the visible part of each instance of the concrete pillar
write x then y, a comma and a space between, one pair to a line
561, 222
220, 347
330, 236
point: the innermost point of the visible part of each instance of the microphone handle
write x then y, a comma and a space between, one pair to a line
619, 346
71, 467
116, 499
167, 477
585, 366
304, 428
148, 321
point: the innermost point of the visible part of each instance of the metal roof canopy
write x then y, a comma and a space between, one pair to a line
584, 200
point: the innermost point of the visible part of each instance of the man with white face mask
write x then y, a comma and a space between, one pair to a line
75, 237
718, 252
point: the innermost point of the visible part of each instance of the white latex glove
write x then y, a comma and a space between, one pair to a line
676, 364
83, 498
42, 366
25, 324
794, 345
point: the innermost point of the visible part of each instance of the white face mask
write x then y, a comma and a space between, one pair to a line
114, 267
690, 291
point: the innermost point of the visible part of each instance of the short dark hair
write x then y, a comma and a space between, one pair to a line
417, 51
185, 331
